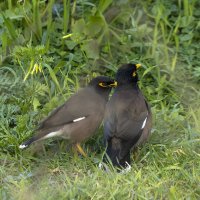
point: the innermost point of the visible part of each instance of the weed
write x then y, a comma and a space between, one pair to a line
51, 48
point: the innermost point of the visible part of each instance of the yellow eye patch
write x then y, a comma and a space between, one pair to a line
113, 84
102, 85
134, 74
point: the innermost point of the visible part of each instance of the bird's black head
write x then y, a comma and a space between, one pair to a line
103, 84
127, 73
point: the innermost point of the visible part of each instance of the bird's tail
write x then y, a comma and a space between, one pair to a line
42, 134
28, 142
118, 153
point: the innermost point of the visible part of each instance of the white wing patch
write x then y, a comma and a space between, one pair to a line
78, 119
59, 132
22, 146
52, 134
144, 123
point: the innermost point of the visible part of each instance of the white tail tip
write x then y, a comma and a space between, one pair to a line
22, 146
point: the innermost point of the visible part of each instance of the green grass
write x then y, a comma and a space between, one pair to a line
49, 50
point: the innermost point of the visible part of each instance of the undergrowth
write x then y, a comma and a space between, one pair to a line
49, 49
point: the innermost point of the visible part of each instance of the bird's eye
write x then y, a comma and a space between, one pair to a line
134, 74
108, 84
102, 84
113, 84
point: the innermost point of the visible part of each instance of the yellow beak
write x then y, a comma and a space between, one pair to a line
138, 66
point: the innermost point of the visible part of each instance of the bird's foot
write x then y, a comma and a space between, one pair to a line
80, 150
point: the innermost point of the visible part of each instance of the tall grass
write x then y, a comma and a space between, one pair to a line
51, 48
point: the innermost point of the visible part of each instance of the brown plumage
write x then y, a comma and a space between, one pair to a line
79, 117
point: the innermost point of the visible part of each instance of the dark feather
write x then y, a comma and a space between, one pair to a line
127, 121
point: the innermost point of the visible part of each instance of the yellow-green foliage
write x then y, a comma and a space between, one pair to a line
48, 49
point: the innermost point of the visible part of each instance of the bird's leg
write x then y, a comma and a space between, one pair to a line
80, 150
135, 153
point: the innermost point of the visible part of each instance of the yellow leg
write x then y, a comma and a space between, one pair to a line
80, 150
135, 153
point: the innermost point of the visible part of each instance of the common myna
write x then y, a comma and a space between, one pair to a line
127, 121
79, 117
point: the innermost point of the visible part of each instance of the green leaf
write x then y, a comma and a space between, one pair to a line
185, 21
94, 26
103, 5
70, 44
148, 70
66, 15
91, 49
12, 15
11, 28
186, 37
78, 29
53, 76
36, 104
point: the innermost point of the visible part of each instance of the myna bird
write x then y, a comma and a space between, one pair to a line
127, 121
79, 117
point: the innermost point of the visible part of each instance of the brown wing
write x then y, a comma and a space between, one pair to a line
82, 104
